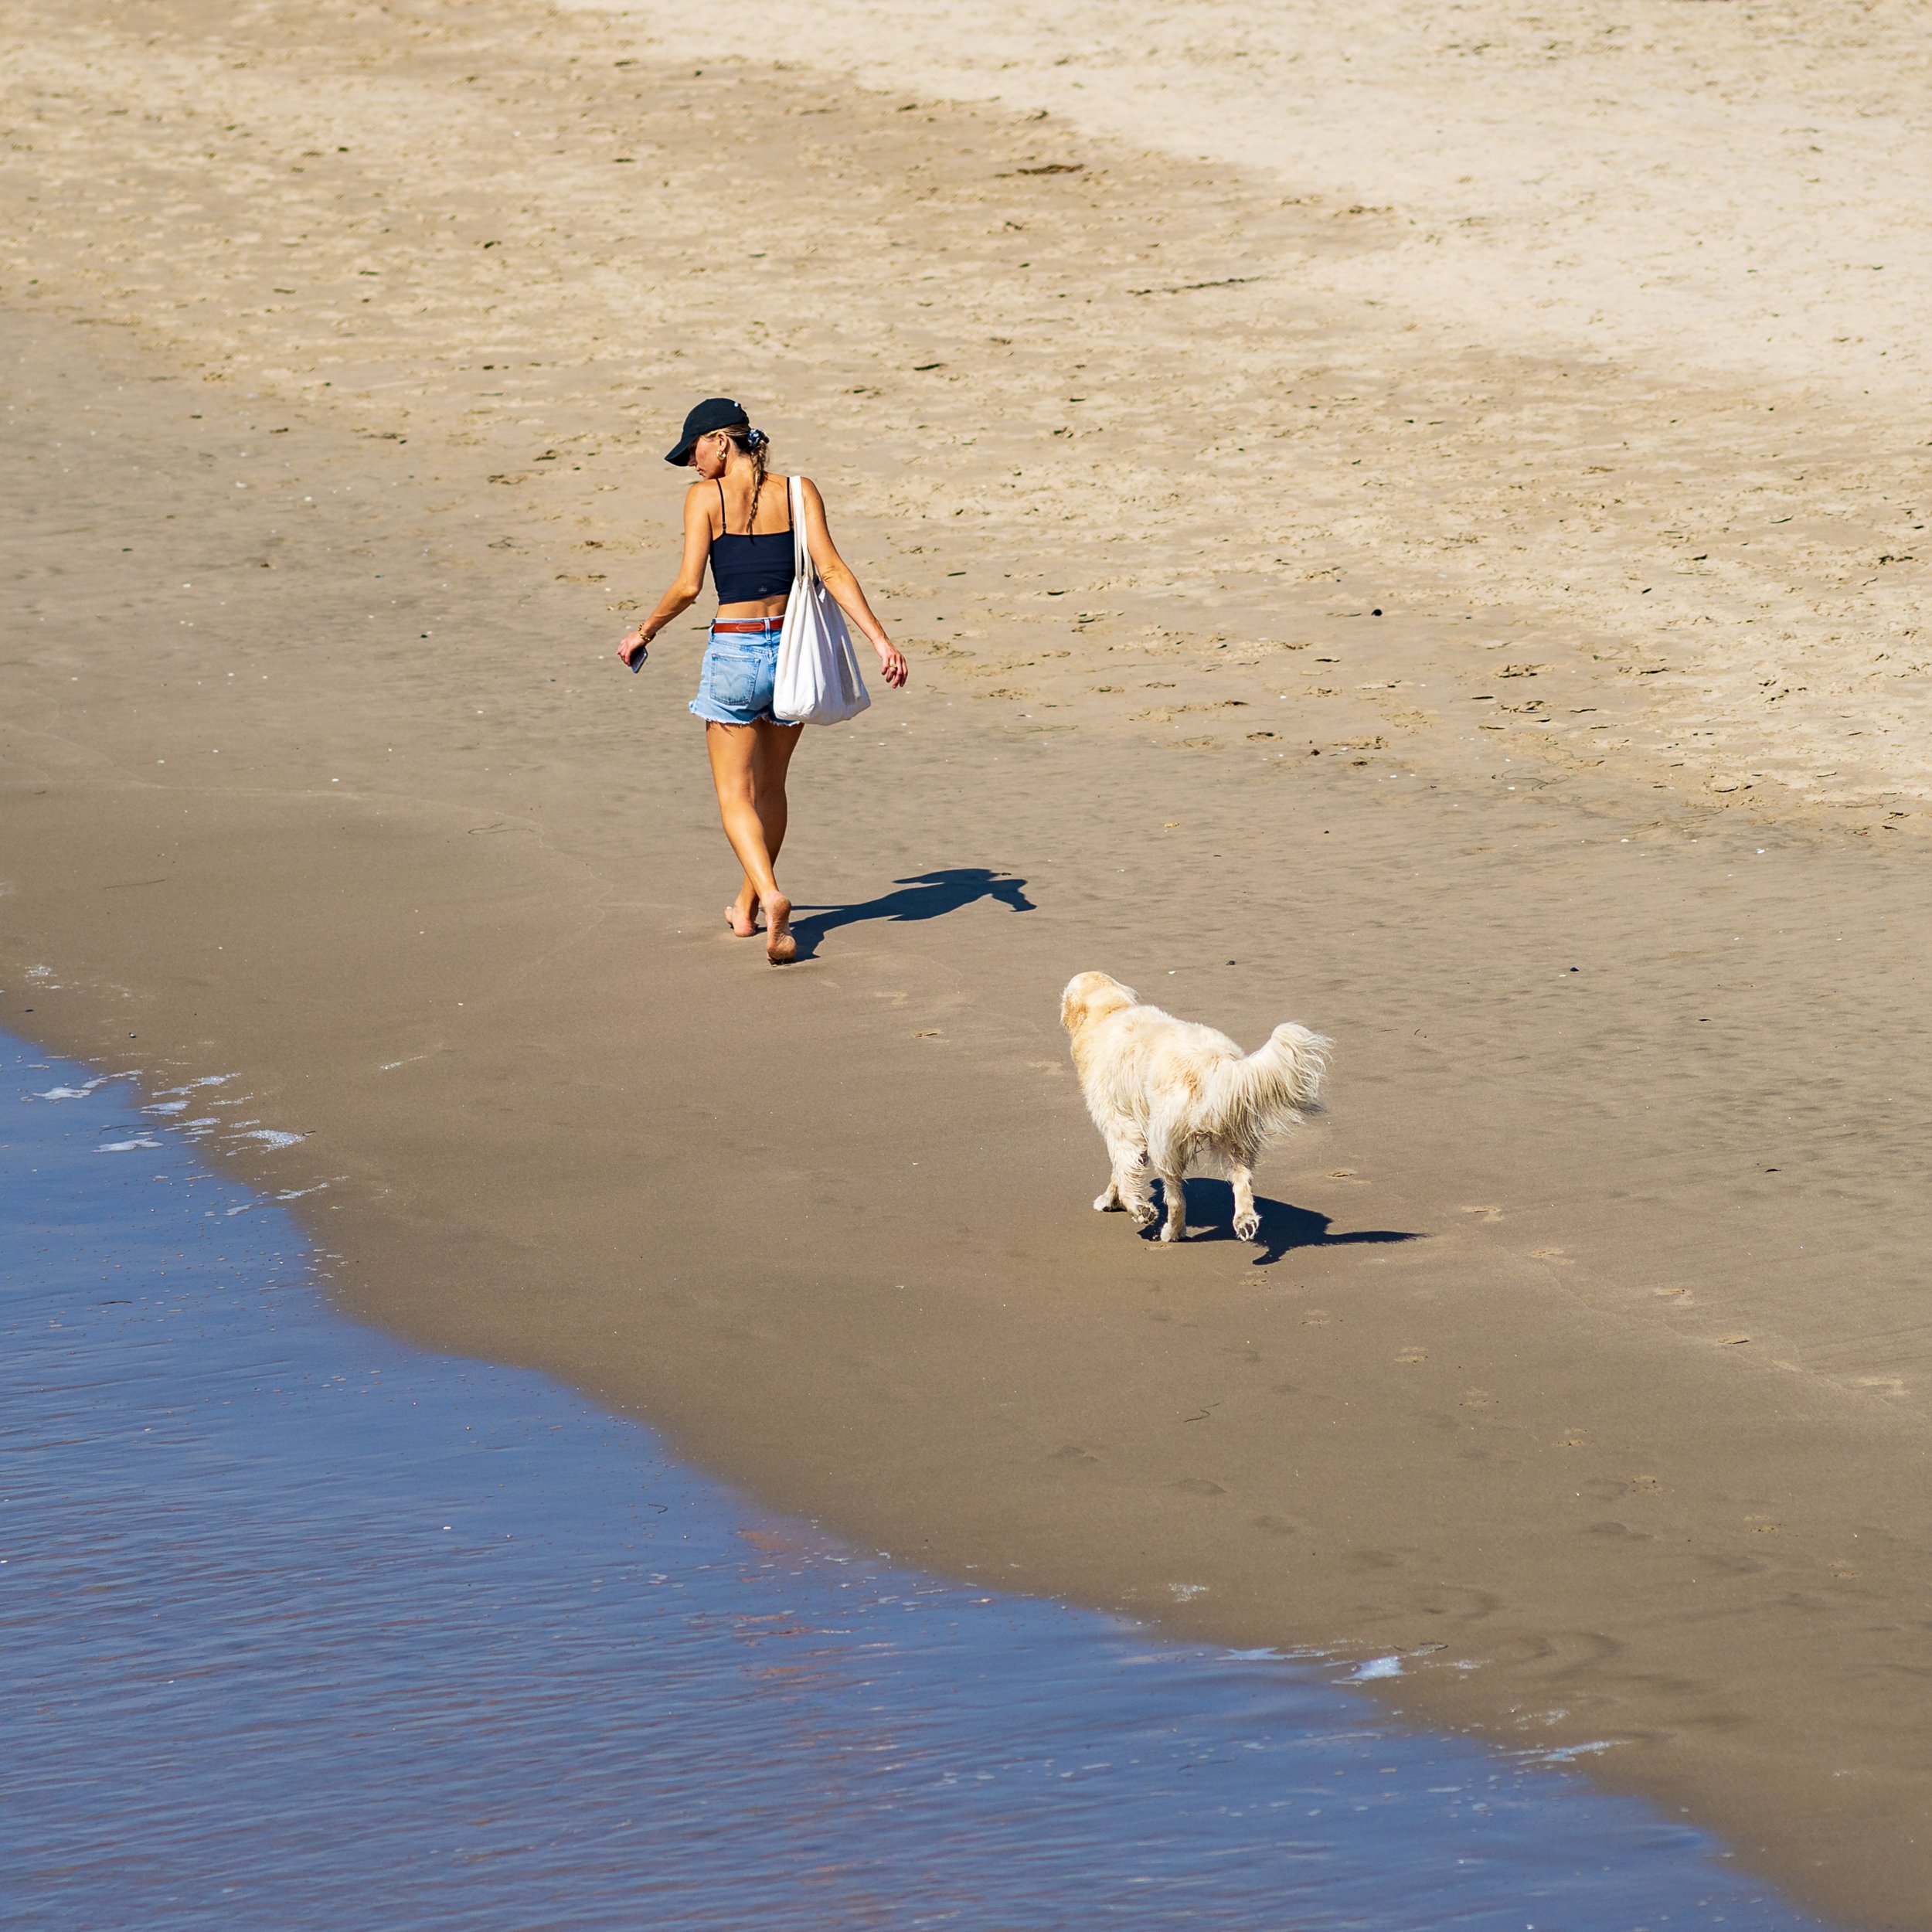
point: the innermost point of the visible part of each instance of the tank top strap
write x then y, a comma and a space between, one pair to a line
724, 522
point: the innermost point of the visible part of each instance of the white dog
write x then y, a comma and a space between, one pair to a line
1165, 1093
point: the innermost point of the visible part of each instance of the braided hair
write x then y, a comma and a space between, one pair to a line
754, 442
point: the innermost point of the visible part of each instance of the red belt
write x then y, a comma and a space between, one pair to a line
749, 623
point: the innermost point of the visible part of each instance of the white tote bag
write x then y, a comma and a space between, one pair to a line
819, 680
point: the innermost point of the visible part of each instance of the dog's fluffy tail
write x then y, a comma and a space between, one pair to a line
1274, 1087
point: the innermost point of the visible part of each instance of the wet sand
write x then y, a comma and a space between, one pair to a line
521, 1667
1587, 1342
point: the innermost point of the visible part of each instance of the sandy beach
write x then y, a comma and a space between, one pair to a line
1510, 665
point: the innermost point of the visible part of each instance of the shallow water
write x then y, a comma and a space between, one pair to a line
303, 1628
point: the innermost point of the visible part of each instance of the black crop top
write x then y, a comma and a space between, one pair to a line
746, 569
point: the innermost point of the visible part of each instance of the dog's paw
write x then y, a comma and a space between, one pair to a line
1246, 1226
1170, 1232
1108, 1203
1145, 1213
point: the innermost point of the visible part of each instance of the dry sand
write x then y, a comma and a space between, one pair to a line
1586, 1364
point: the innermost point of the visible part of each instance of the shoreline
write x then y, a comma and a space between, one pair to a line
1541, 1366
283, 1454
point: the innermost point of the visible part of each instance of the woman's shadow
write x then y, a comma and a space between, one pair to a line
926, 895
1285, 1228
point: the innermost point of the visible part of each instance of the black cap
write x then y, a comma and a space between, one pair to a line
714, 413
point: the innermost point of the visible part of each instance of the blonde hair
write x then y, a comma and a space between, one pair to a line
754, 442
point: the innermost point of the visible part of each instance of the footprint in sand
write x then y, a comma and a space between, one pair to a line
1460, 1604
1560, 1653
1881, 1385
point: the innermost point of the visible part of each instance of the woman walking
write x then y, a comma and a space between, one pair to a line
739, 516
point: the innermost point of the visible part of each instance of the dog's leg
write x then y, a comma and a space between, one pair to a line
1174, 1192
1117, 1156
1127, 1185
1247, 1223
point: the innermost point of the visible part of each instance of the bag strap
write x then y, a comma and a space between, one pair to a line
802, 573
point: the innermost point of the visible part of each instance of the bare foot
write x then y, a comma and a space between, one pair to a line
780, 948
742, 922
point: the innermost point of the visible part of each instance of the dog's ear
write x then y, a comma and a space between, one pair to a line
1090, 995
1073, 1001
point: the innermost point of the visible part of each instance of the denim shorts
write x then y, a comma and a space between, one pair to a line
741, 668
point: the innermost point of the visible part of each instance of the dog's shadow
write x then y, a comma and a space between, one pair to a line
1284, 1227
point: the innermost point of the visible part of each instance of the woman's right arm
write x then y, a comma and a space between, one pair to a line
688, 584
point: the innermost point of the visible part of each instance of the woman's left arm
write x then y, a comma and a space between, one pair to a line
835, 573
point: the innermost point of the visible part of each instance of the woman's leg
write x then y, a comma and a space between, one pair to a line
772, 745
770, 762
750, 780
733, 753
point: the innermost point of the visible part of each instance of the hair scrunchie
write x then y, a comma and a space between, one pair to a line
757, 439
